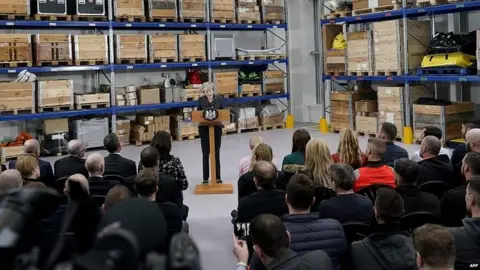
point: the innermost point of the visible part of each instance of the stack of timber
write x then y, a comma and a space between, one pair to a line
90, 50
273, 11
273, 82
366, 120
192, 48
359, 52
17, 98
53, 50
226, 84
55, 95
163, 48
371, 6
15, 50
162, 10
248, 12
389, 48
342, 107
334, 59
15, 10
448, 118
131, 49
192, 10
92, 101
129, 10
223, 11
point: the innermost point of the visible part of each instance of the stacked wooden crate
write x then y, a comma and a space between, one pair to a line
223, 11
273, 11
55, 95
129, 10
248, 12
366, 119
163, 48
369, 6
131, 49
10, 152
448, 118
273, 82
53, 50
248, 90
17, 98
92, 100
15, 50
226, 83
15, 9
90, 50
190, 93
147, 125
182, 127
192, 10
342, 107
192, 48
334, 59
162, 10
389, 48
359, 52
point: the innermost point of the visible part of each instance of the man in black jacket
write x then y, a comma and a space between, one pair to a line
389, 247
434, 167
467, 238
472, 144
461, 150
114, 163
388, 132
95, 166
73, 163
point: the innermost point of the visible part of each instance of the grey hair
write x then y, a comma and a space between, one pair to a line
208, 85
342, 175
75, 147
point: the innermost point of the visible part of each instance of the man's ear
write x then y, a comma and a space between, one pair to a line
420, 263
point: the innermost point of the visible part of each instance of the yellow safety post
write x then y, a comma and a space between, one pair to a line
407, 135
324, 126
289, 123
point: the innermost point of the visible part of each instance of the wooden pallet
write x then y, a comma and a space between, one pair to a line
131, 61
42, 17
17, 111
188, 137
366, 133
140, 143
250, 21
231, 95
162, 19
229, 131
387, 72
91, 62
426, 3
250, 94
12, 17
55, 63
15, 64
360, 73
337, 14
224, 20
194, 59
273, 93
191, 98
377, 9
335, 72
193, 20
273, 127
256, 57
164, 60
90, 18
131, 19
255, 129
274, 21
56, 108
87, 106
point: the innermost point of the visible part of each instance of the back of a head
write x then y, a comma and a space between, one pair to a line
473, 136
317, 161
163, 142
377, 147
26, 165
254, 141
407, 170
389, 130
263, 152
471, 123
269, 234
10, 179
300, 140
342, 176
31, 146
300, 191
432, 145
435, 245
432, 131
116, 194
77, 179
348, 149
472, 160
149, 157
146, 182
111, 142
95, 164
388, 205
75, 148
265, 174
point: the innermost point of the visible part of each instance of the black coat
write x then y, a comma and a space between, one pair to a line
100, 186
467, 243
70, 165
46, 172
393, 152
437, 168
290, 260
415, 200
169, 189
246, 184
264, 201
453, 206
118, 165
171, 213
360, 208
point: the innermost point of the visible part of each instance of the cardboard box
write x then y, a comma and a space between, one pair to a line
150, 128
124, 138
359, 4
52, 126
145, 120
123, 127
149, 95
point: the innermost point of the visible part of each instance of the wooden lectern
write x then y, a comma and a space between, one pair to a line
212, 187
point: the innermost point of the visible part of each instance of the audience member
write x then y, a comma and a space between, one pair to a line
461, 150
246, 161
430, 131
95, 165
146, 185
388, 132
246, 185
28, 167
472, 144
267, 200
115, 163
414, 200
36, 185
32, 147
467, 238
375, 173
317, 162
360, 208
349, 151
115, 195
10, 179
434, 167
271, 246
435, 248
453, 201
389, 247
73, 163
294, 162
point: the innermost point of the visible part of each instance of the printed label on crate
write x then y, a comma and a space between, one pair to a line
81, 2
372, 3
390, 117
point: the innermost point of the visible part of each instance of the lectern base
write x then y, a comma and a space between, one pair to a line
214, 189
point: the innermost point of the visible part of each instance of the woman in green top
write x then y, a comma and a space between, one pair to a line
295, 161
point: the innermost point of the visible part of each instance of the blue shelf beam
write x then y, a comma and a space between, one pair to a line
408, 78
54, 69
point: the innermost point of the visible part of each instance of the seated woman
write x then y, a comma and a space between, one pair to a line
28, 167
294, 162
349, 151
246, 161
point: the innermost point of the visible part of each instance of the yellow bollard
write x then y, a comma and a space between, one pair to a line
324, 126
289, 123
407, 135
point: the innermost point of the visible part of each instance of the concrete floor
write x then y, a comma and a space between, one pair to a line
209, 216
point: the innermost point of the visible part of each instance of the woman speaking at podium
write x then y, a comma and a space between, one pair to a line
210, 100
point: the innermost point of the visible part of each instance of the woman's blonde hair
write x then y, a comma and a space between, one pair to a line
318, 161
254, 141
261, 152
348, 149
26, 165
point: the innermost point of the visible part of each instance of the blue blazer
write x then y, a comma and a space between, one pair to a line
46, 172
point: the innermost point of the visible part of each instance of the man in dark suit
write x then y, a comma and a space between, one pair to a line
114, 162
73, 163
95, 165
32, 147
434, 167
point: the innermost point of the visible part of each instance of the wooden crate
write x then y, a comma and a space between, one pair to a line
273, 11
366, 125
248, 12
192, 10
388, 46
53, 49
226, 83
222, 11
129, 10
359, 53
90, 49
334, 60
162, 11
273, 82
55, 95
131, 49
92, 101
14, 9
250, 90
15, 50
163, 48
10, 152
366, 106
448, 118
342, 107
17, 98
191, 48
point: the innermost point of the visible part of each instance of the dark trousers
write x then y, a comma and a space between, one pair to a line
204, 139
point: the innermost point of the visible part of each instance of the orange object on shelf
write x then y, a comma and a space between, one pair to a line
20, 140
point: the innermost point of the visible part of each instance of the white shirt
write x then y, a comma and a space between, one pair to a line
443, 151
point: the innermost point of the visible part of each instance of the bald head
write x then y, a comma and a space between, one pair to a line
79, 178
265, 174
76, 148
431, 145
95, 164
32, 147
10, 179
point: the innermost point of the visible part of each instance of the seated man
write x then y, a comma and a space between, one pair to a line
115, 163
388, 132
430, 131
414, 200
435, 248
73, 163
434, 167
9, 179
115, 195
375, 173
389, 247
95, 165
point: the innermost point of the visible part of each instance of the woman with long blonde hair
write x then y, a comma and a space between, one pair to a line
349, 151
246, 185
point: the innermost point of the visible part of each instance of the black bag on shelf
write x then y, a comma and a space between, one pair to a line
452, 43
